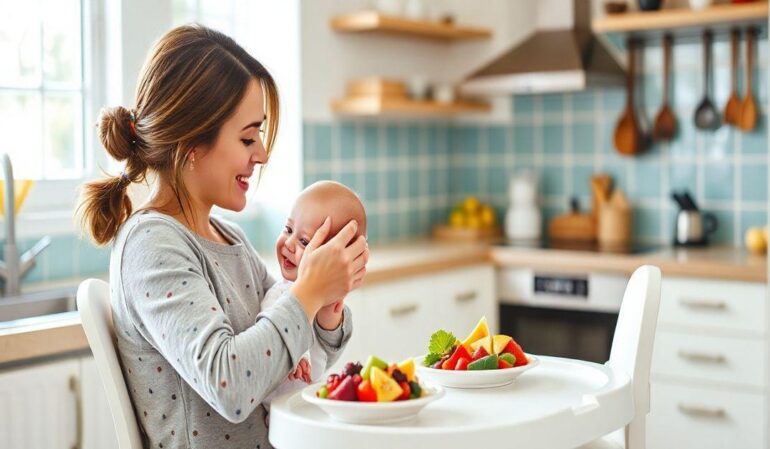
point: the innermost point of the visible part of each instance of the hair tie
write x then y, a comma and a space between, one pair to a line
132, 126
124, 178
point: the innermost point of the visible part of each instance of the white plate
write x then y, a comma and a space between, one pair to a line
372, 412
473, 379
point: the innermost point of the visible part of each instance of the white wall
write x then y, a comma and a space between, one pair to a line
330, 59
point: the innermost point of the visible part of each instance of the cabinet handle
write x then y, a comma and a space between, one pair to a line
702, 411
702, 357
466, 296
75, 389
403, 310
703, 304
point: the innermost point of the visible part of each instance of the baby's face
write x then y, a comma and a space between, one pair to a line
299, 229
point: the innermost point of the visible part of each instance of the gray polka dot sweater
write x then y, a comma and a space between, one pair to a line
197, 353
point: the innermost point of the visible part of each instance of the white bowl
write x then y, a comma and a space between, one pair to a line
473, 379
372, 412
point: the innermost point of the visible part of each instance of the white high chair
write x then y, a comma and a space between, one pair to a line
93, 301
632, 352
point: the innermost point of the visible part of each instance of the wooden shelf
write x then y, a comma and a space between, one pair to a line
684, 21
374, 22
375, 106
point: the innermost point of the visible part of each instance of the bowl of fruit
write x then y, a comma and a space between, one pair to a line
482, 360
375, 393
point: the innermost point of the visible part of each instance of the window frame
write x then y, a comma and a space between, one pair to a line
49, 208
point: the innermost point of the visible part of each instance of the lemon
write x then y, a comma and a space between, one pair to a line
457, 219
755, 240
473, 222
471, 204
487, 216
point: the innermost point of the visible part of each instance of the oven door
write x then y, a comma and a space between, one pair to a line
575, 334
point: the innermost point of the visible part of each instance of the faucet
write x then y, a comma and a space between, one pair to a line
14, 268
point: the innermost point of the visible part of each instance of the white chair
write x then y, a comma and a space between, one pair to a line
632, 352
96, 315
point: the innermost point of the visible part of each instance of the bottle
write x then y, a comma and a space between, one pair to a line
523, 219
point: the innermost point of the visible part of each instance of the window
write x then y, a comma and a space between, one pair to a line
42, 88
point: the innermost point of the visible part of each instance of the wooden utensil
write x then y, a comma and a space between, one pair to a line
706, 115
665, 121
732, 113
627, 134
748, 119
600, 188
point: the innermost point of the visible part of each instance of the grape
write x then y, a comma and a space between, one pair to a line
352, 369
398, 376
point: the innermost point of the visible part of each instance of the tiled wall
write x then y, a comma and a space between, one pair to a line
401, 170
410, 173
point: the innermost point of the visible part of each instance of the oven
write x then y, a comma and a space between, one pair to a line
564, 314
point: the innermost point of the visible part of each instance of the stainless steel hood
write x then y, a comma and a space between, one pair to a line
550, 60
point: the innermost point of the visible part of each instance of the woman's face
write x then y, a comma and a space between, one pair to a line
223, 170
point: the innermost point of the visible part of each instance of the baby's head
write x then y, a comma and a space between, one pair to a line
318, 201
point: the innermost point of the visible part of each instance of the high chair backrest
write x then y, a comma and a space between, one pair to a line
632, 345
93, 301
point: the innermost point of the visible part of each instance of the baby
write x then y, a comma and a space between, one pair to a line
318, 201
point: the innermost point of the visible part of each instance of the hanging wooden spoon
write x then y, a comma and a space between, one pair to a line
706, 115
748, 118
732, 113
627, 134
665, 121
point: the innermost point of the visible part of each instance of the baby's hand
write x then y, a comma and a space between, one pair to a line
302, 371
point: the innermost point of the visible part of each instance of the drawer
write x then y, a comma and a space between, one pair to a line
724, 305
729, 360
684, 417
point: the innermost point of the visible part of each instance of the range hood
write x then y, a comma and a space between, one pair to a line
550, 60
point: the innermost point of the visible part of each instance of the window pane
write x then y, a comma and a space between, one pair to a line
21, 127
20, 43
63, 134
61, 42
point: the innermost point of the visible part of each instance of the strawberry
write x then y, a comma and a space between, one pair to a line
462, 364
365, 392
480, 353
459, 353
405, 391
513, 348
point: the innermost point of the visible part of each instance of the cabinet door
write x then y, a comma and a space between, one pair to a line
401, 316
38, 407
464, 296
98, 427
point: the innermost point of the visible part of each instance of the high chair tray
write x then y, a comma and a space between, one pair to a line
562, 404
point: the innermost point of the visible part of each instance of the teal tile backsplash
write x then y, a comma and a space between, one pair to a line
564, 138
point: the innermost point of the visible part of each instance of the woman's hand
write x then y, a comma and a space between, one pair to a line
329, 271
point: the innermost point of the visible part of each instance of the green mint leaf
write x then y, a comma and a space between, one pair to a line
441, 341
430, 359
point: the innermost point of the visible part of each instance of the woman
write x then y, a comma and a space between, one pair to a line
197, 352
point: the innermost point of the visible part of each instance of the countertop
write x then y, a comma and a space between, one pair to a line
62, 333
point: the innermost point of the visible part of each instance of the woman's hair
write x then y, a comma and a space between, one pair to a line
192, 82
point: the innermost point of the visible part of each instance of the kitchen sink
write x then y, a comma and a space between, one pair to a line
29, 307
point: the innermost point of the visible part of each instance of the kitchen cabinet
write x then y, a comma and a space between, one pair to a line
394, 320
55, 405
708, 374
40, 406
